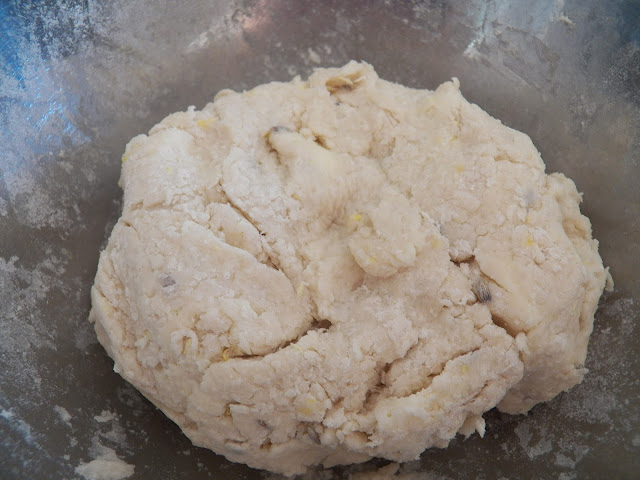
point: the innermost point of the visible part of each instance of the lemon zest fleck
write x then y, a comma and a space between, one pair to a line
186, 345
206, 122
308, 409
228, 353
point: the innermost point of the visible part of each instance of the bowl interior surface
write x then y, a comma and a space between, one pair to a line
78, 79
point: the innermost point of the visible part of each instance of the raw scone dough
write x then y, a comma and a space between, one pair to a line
329, 270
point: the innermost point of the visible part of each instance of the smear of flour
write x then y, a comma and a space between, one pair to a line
523, 431
567, 476
219, 28
116, 433
19, 425
4, 208
105, 416
6, 414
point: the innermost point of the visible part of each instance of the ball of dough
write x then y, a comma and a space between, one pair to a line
325, 271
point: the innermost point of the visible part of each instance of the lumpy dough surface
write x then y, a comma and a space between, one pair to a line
325, 271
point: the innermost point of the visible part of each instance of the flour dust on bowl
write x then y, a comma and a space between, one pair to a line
313, 237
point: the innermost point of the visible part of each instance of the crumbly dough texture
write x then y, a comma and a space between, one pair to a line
325, 271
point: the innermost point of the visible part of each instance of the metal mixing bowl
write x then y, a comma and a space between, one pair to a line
79, 78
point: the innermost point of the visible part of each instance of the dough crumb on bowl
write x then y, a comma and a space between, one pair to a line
330, 270
106, 466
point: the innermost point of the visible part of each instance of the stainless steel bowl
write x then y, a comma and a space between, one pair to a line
79, 78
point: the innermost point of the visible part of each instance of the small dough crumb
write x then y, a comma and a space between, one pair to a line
105, 467
328, 270
64, 415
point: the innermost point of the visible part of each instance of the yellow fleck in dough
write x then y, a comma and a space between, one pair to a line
204, 123
330, 270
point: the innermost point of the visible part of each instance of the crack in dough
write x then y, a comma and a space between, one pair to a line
329, 270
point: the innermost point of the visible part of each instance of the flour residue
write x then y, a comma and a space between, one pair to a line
116, 433
4, 207
542, 446
27, 288
105, 416
18, 425
570, 454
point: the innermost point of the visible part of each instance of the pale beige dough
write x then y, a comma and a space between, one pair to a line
295, 276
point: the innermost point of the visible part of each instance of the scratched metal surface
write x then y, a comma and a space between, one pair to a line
79, 78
